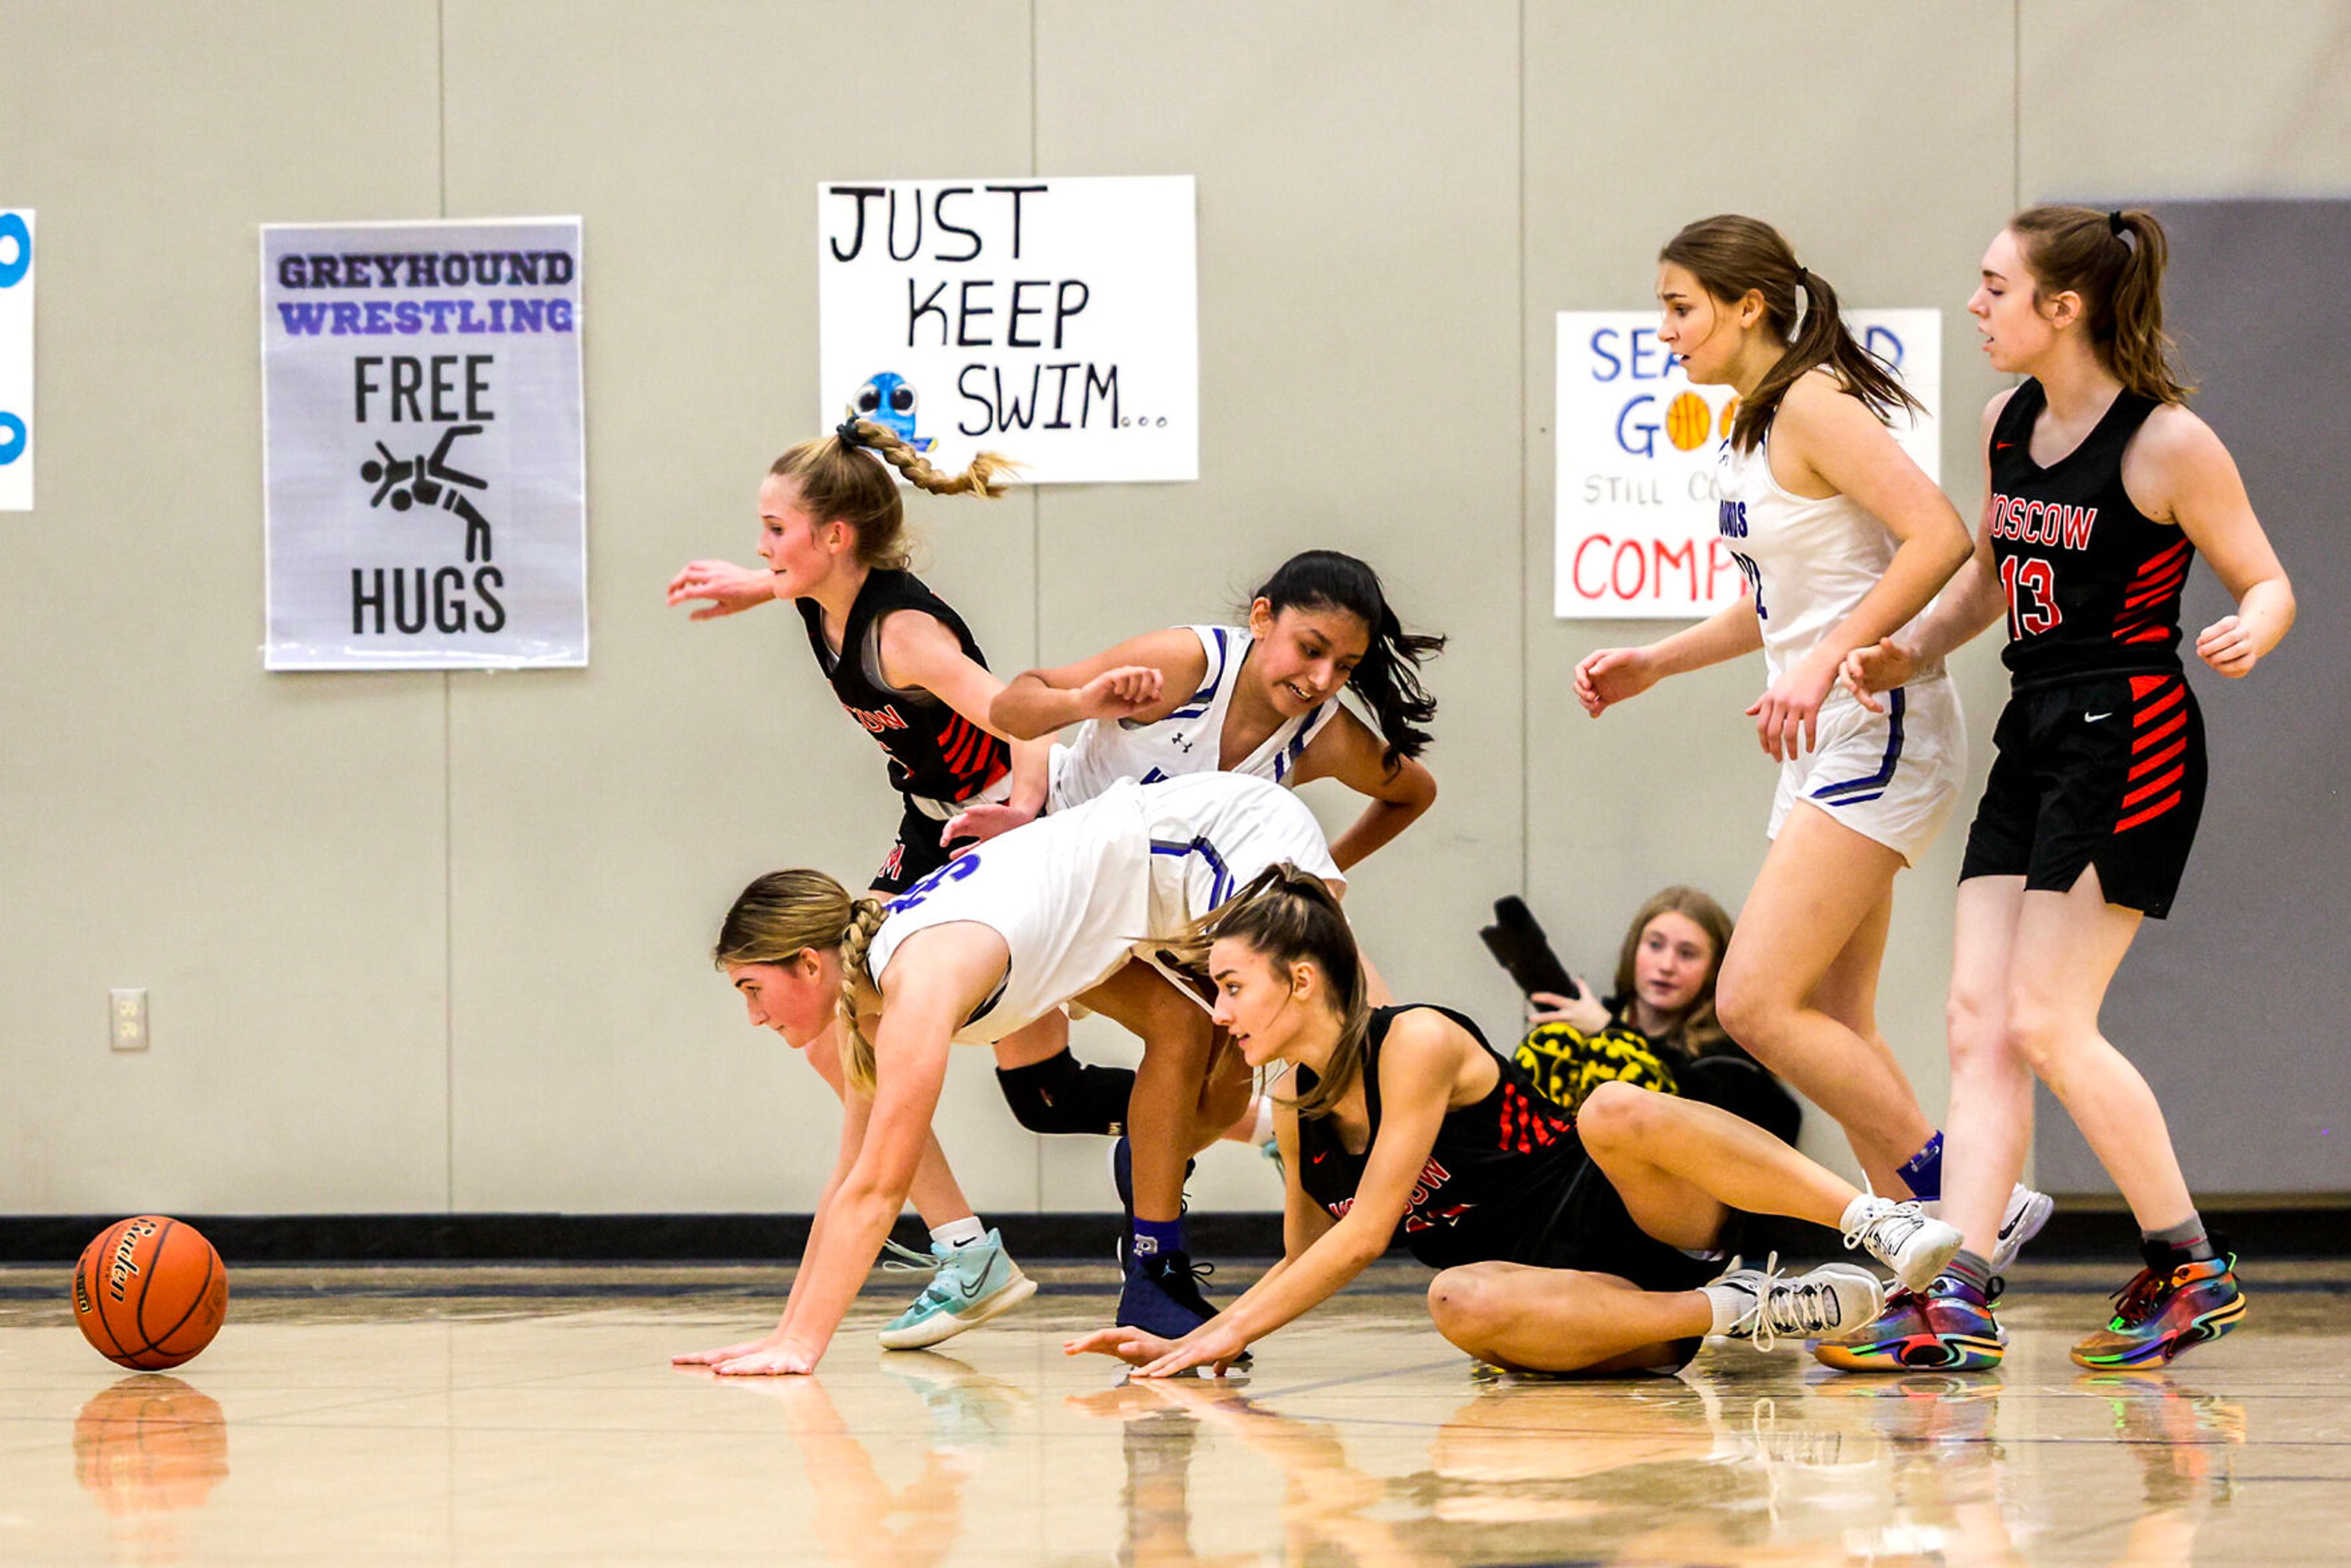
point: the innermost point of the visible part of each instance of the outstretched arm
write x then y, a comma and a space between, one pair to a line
1613, 675
1419, 1064
1143, 678
1348, 751
854, 1110
953, 970
729, 587
919, 651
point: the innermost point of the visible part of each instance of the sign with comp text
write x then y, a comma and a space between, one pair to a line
1635, 517
16, 359
424, 449
1055, 321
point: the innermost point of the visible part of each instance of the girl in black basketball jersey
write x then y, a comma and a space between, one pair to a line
1560, 1236
2100, 489
910, 673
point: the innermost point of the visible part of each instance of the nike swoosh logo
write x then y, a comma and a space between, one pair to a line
2001, 445
2095, 717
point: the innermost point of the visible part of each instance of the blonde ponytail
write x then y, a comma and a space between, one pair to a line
865, 918
840, 478
984, 477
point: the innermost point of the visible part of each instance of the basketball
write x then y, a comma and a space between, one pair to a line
1688, 420
150, 1293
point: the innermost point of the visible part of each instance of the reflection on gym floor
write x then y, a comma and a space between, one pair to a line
406, 1419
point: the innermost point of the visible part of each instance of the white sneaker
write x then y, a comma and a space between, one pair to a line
1830, 1300
2019, 1222
1901, 1237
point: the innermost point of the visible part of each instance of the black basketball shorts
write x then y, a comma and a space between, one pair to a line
2107, 771
916, 853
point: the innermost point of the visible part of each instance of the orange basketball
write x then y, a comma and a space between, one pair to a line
1688, 419
150, 1293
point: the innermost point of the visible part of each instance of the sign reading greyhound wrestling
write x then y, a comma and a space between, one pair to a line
423, 475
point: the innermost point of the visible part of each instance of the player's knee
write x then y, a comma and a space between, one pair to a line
1616, 1115
2036, 1034
1749, 1010
1063, 1096
1465, 1303
1975, 1022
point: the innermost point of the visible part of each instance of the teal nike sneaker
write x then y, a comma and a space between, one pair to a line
969, 1285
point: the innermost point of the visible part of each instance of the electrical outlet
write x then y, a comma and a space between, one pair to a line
127, 1015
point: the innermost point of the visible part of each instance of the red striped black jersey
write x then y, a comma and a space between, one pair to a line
2093, 584
1495, 1177
934, 751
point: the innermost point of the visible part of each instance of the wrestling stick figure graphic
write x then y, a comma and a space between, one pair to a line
431, 480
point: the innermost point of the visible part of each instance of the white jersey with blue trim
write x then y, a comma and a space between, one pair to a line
1186, 741
1075, 894
1890, 775
1807, 562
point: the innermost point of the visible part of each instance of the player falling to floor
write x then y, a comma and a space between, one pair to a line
906, 668
2100, 489
1843, 539
1261, 699
1063, 910
1569, 1243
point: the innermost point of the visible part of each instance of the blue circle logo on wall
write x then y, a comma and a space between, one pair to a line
12, 439
15, 249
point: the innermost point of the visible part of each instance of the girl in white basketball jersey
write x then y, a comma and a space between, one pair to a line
1843, 539
1261, 699
988, 943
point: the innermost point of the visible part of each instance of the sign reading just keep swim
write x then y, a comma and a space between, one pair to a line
1055, 321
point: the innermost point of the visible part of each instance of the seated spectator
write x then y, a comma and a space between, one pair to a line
1657, 1030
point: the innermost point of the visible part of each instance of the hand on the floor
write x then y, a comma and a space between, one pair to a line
784, 1360
713, 1357
1214, 1341
1131, 1345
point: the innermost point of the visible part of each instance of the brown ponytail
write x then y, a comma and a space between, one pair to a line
839, 483
1730, 255
857, 1052
2115, 262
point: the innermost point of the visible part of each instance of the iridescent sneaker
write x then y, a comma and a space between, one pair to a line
1901, 1236
969, 1285
1944, 1328
2160, 1313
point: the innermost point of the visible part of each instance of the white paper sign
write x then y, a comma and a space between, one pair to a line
421, 425
16, 359
1056, 321
1635, 517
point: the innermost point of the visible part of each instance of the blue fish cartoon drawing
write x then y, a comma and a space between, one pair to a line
888, 400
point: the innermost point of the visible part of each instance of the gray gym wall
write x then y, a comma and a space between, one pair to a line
419, 942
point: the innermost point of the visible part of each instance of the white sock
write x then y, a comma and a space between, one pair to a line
960, 1232
1855, 1212
1729, 1305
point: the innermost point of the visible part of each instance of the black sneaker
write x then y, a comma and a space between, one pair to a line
1161, 1295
